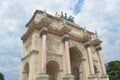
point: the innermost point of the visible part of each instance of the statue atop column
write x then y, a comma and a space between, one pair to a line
57, 15
64, 16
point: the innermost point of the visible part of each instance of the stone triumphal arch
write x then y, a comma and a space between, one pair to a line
57, 49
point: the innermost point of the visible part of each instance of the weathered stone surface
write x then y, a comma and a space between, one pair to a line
53, 44
49, 52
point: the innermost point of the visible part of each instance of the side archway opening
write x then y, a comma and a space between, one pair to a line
75, 59
52, 70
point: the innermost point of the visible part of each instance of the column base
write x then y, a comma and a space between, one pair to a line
92, 77
42, 76
68, 77
104, 76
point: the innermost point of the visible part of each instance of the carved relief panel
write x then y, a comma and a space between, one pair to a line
53, 44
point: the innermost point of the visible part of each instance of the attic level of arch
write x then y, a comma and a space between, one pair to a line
59, 27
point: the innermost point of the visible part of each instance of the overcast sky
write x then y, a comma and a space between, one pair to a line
100, 15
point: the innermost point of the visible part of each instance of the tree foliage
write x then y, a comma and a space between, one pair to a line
113, 70
1, 76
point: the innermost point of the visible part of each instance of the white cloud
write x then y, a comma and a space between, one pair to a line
10, 66
103, 16
13, 16
100, 15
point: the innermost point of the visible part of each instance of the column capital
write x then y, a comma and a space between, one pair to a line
43, 31
87, 45
65, 37
98, 48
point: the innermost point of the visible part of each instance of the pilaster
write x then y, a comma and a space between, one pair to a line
87, 46
33, 65
35, 38
84, 68
104, 74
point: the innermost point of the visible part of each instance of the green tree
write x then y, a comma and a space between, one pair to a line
1, 76
113, 70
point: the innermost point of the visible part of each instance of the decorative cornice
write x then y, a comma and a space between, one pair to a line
85, 38
65, 29
96, 42
37, 11
47, 21
32, 52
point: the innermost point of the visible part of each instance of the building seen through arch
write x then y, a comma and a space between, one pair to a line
57, 49
53, 70
75, 59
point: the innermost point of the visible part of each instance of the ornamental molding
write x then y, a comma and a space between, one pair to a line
56, 26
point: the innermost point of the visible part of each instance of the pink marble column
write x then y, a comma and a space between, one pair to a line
87, 45
68, 65
43, 52
98, 49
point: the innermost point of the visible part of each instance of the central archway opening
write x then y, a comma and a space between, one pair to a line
52, 70
75, 58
